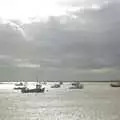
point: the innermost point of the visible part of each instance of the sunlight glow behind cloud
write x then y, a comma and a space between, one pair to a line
27, 10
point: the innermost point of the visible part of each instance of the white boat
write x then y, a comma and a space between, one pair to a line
77, 85
19, 86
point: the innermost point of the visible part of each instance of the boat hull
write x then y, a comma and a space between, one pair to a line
19, 84
55, 86
19, 88
76, 88
114, 85
33, 90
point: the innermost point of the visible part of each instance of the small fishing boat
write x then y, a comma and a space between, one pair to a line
38, 89
44, 83
61, 83
19, 86
115, 84
77, 85
27, 90
55, 86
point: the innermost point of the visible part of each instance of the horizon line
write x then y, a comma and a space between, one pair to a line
65, 81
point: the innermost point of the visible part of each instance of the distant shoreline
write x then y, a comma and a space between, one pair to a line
88, 81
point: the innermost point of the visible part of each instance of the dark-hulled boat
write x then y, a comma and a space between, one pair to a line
27, 90
115, 84
61, 83
38, 89
74, 84
19, 88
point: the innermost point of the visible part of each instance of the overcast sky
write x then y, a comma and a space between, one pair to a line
59, 39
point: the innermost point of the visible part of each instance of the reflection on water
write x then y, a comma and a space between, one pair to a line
94, 102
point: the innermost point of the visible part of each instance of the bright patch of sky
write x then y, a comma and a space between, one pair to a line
27, 10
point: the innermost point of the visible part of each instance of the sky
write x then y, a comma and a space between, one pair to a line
59, 40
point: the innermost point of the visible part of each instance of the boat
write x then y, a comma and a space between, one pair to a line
115, 84
61, 83
55, 86
27, 90
77, 85
19, 84
74, 84
19, 88
44, 83
38, 89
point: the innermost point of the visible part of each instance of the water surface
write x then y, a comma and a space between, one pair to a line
94, 102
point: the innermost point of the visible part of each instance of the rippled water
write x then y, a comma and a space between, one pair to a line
94, 102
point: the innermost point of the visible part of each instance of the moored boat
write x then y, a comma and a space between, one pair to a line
77, 85
38, 89
19, 84
115, 84
74, 87
74, 84
27, 90
19, 88
55, 86
61, 83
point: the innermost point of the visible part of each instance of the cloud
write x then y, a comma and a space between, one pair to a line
85, 46
28, 65
13, 42
25, 63
5, 56
81, 44
17, 27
